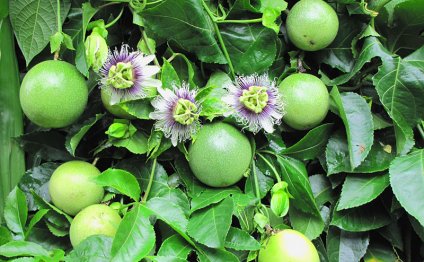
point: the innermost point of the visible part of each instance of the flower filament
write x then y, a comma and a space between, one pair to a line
255, 98
121, 75
185, 112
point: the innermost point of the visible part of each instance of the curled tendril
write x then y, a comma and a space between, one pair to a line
138, 5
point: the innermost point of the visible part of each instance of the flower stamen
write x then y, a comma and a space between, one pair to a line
121, 75
185, 112
255, 98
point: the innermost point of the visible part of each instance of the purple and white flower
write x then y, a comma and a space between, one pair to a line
255, 102
177, 113
126, 74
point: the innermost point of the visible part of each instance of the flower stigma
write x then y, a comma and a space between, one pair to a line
121, 75
255, 98
185, 112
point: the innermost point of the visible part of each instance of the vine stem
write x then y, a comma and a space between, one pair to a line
247, 21
255, 176
277, 176
149, 185
116, 19
59, 28
95, 161
220, 40
420, 129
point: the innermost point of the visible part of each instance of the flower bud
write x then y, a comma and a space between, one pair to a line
280, 199
96, 50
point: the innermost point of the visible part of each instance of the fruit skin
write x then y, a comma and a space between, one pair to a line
288, 246
114, 109
94, 220
220, 155
53, 94
71, 187
306, 100
312, 25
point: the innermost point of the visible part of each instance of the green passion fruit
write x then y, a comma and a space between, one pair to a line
115, 110
53, 94
220, 155
312, 25
94, 220
288, 246
306, 100
71, 186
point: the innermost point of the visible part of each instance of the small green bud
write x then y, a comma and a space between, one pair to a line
96, 50
280, 199
255, 98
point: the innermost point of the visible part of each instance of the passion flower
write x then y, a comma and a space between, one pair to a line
255, 102
125, 75
177, 113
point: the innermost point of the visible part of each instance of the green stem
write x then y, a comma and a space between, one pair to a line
149, 185
220, 40
255, 176
116, 19
59, 27
277, 176
247, 21
146, 40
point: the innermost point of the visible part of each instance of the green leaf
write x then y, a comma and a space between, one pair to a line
399, 85
148, 48
357, 119
271, 10
265, 183
240, 240
55, 42
361, 219
5, 235
16, 211
121, 180
370, 49
377, 251
210, 226
311, 145
403, 28
311, 225
407, 181
179, 21
211, 196
321, 188
22, 248
339, 53
176, 247
34, 21
337, 156
359, 189
35, 219
57, 216
136, 144
169, 76
215, 255
140, 108
346, 246
37, 179
193, 185
78, 131
252, 47
135, 237
94, 248
211, 95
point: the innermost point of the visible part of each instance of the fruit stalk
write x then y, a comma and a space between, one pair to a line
12, 162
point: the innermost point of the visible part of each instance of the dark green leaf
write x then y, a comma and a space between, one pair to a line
357, 119
135, 237
22, 248
311, 225
169, 76
78, 131
121, 180
361, 189
210, 226
215, 255
321, 188
240, 240
35, 219
380, 252
94, 248
311, 145
252, 47
37, 179
176, 247
361, 219
346, 246
16, 211
180, 21
265, 183
193, 185
394, 234
211, 196
399, 85
34, 21
407, 181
